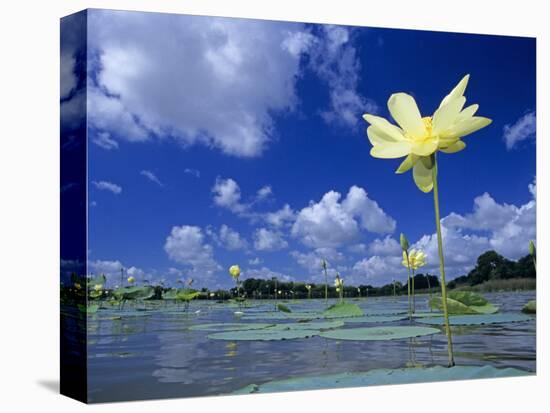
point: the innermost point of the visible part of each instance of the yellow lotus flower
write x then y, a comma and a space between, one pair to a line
338, 282
131, 279
98, 287
419, 137
417, 259
308, 287
235, 271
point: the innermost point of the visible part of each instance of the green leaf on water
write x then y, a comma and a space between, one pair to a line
134, 293
281, 316
530, 307
468, 298
343, 310
456, 307
263, 335
316, 325
379, 333
283, 308
382, 376
169, 294
217, 327
375, 319
477, 319
187, 295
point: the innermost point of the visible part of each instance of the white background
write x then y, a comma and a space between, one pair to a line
29, 203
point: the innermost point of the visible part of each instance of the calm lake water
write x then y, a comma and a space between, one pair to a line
143, 353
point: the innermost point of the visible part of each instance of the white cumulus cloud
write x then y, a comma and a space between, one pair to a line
186, 245
228, 238
268, 240
201, 80
334, 223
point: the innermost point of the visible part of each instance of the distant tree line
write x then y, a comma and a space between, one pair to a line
493, 266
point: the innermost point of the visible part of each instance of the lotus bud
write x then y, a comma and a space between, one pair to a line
532, 248
404, 242
131, 280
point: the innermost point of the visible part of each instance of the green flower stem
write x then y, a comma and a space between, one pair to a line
409, 284
326, 286
441, 262
429, 290
413, 296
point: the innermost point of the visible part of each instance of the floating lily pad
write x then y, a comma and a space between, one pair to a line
229, 326
468, 298
343, 310
530, 307
281, 316
379, 333
283, 308
375, 319
456, 307
476, 319
424, 315
319, 325
383, 376
263, 335
134, 293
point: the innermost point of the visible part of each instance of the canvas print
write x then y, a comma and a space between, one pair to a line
253, 206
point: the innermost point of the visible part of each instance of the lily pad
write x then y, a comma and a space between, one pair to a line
282, 316
477, 319
530, 307
468, 298
283, 308
319, 325
263, 335
379, 333
229, 326
424, 315
383, 376
375, 319
343, 310
456, 307
134, 293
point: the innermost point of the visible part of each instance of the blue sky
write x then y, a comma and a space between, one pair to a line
213, 142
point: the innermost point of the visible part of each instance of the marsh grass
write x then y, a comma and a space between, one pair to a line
511, 284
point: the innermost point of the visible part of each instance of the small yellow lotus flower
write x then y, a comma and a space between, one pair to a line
212, 294
98, 287
235, 271
419, 137
337, 289
417, 259
338, 282
77, 286
308, 287
131, 280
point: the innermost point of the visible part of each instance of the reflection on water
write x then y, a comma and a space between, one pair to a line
152, 354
